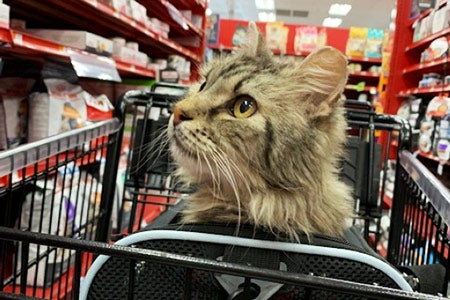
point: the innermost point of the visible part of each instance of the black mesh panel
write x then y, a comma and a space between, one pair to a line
156, 281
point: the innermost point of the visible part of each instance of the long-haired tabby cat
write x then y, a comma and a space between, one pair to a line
261, 139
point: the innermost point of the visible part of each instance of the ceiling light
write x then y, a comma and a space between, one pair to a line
266, 16
265, 4
337, 9
332, 22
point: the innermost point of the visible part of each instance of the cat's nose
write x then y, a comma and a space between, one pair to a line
179, 115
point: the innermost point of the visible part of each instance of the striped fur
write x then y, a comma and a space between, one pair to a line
277, 168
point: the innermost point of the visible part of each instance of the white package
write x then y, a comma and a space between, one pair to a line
61, 109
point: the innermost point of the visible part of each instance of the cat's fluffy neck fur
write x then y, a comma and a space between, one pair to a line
315, 202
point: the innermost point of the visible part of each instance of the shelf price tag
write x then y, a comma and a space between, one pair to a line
94, 66
17, 39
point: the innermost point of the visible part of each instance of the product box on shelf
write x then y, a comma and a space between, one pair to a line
425, 27
82, 40
13, 100
129, 55
138, 11
441, 19
121, 6
197, 20
160, 27
60, 108
4, 15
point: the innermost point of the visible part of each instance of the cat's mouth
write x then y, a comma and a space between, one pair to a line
181, 146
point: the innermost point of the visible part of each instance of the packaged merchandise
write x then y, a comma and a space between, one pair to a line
438, 48
128, 55
239, 35
356, 43
425, 27
374, 43
13, 99
276, 36
97, 108
138, 11
431, 133
308, 38
54, 201
122, 6
430, 79
78, 39
441, 19
4, 15
59, 109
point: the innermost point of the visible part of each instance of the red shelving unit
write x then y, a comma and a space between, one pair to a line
98, 17
406, 68
364, 59
424, 42
27, 44
364, 74
424, 90
427, 66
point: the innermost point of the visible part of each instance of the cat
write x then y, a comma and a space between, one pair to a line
261, 140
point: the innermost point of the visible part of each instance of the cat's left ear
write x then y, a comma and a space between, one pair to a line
323, 75
256, 42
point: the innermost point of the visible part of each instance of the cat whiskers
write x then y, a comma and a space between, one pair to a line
215, 179
153, 150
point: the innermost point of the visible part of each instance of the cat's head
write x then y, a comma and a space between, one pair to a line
254, 122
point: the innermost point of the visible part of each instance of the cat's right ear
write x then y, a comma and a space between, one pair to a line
256, 42
322, 77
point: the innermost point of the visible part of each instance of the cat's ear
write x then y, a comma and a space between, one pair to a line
323, 75
256, 43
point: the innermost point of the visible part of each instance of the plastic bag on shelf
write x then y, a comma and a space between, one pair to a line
60, 109
13, 97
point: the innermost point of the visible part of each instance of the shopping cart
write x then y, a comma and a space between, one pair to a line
149, 187
374, 142
58, 252
60, 186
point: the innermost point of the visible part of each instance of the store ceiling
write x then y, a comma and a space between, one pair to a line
364, 13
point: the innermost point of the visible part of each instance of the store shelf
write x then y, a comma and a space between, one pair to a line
161, 8
364, 74
27, 44
195, 6
430, 156
367, 88
423, 66
424, 42
424, 90
426, 13
364, 59
275, 52
101, 18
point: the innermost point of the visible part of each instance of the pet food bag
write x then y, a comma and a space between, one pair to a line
55, 208
356, 43
60, 109
13, 99
374, 43
276, 36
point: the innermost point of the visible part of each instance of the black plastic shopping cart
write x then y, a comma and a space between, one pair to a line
64, 200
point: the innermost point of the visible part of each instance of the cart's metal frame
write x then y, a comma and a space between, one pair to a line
103, 141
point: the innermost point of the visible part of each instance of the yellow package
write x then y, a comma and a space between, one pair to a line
356, 43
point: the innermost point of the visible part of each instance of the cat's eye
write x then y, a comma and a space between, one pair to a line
202, 86
243, 107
